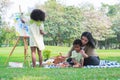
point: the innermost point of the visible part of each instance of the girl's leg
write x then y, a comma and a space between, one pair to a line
33, 53
40, 57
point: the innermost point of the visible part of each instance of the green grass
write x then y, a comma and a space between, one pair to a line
57, 73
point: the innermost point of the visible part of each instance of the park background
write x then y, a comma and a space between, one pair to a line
63, 24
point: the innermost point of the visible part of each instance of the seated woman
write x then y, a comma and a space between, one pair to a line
88, 45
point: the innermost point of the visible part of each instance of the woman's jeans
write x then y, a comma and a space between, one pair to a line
91, 60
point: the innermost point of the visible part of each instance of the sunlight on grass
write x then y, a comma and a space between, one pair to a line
56, 73
32, 78
18, 53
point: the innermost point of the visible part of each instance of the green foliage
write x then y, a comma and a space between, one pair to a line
65, 23
0, 21
62, 25
46, 54
7, 36
113, 12
2, 36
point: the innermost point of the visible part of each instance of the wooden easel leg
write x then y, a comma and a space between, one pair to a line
26, 56
12, 50
25, 48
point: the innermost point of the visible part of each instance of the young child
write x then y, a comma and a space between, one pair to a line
76, 59
36, 29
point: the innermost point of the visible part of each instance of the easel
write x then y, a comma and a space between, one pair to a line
25, 49
25, 45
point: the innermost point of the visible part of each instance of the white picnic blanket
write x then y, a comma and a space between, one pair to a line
105, 64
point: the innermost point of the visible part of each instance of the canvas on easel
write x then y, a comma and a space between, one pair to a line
20, 27
22, 32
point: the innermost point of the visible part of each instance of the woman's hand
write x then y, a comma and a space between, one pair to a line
83, 54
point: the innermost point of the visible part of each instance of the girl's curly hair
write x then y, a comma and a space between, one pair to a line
37, 15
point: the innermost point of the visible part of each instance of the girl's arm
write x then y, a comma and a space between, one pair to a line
42, 32
82, 62
42, 29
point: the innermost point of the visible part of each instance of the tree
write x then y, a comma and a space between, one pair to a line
2, 34
62, 23
3, 5
97, 23
7, 36
113, 11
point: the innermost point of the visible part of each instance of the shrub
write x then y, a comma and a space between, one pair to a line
46, 54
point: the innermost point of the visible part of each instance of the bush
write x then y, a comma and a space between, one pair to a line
46, 54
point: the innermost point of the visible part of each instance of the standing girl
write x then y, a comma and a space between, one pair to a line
36, 28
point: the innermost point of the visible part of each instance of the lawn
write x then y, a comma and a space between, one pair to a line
57, 73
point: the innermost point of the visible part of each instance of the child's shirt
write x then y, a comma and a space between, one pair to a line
76, 55
36, 38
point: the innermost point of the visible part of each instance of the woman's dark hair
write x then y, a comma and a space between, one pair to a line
91, 40
37, 15
77, 42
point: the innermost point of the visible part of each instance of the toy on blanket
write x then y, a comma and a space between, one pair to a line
63, 65
59, 59
57, 62
48, 62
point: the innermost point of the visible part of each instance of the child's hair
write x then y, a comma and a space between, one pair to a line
77, 42
37, 15
91, 40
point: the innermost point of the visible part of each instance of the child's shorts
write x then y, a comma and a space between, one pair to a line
69, 60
